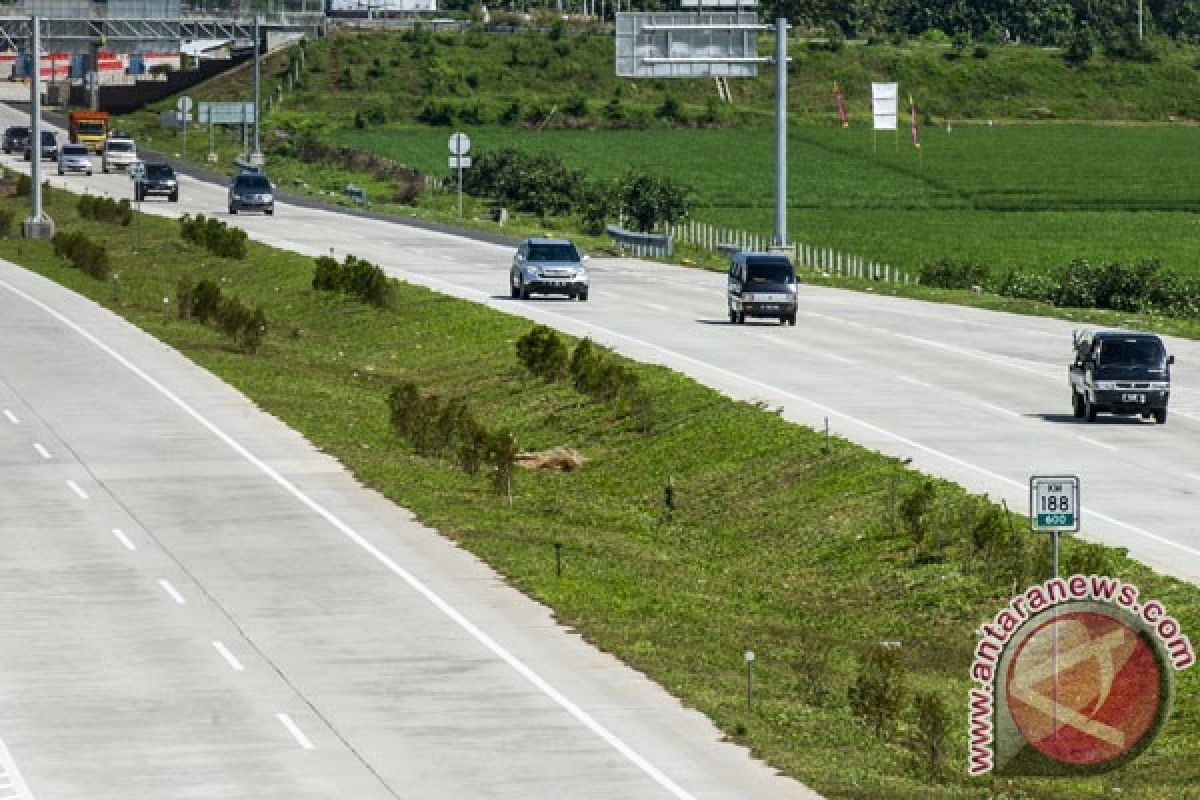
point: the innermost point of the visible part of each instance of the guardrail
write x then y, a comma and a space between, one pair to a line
658, 245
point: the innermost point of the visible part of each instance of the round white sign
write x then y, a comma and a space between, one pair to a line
460, 144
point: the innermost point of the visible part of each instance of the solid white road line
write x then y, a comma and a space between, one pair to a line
171, 590
386, 561
915, 382
295, 731
656, 307
229, 657
998, 409
75, 488
123, 539
12, 417
42, 451
1097, 442
8, 768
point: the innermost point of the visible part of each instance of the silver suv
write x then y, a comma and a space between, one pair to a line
549, 266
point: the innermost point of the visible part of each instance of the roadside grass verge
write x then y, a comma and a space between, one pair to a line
777, 544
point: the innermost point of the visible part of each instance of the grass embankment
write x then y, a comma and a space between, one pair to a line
1026, 196
776, 545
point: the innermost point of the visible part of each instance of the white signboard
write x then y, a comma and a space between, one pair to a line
687, 45
225, 113
460, 144
184, 105
457, 162
1054, 503
883, 105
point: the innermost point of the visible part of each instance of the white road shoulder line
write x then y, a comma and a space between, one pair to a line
657, 307
229, 657
998, 409
12, 417
914, 381
74, 487
123, 539
540, 683
8, 768
295, 731
1097, 443
172, 591
42, 451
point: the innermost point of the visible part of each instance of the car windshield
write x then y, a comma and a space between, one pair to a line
90, 128
159, 172
1131, 353
48, 138
553, 251
769, 270
120, 147
18, 131
256, 182
74, 150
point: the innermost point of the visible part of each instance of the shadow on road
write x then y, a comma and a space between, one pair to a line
1104, 419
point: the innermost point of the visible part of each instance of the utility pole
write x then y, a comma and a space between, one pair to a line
38, 226
257, 157
781, 28
1140, 27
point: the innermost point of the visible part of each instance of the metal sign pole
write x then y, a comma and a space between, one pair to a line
459, 160
781, 132
256, 157
38, 226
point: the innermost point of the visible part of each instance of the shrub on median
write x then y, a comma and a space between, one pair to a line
214, 235
205, 302
84, 254
104, 209
354, 276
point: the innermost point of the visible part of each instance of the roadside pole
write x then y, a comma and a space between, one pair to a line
256, 157
38, 226
781, 28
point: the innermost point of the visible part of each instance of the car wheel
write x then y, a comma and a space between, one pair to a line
1160, 416
1077, 409
174, 197
732, 317
232, 210
1089, 410
583, 296
741, 318
524, 291
104, 170
60, 172
513, 289
89, 173
791, 320
270, 212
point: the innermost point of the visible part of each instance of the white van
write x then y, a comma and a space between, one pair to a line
118, 153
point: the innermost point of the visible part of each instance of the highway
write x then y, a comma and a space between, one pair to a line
396, 693
198, 604
977, 397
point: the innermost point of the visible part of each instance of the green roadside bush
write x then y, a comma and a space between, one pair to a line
24, 186
105, 209
214, 235
206, 303
355, 277
543, 353
447, 428
86, 255
8, 218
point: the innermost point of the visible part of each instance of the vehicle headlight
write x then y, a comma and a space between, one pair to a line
1106, 386
1160, 386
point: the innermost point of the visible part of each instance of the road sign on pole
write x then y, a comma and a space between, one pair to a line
184, 106
1054, 507
460, 145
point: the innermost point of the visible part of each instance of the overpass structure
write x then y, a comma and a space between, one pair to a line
133, 25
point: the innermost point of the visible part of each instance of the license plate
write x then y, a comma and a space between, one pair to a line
1133, 398
770, 307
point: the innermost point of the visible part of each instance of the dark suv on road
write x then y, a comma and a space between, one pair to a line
251, 191
16, 139
1117, 372
157, 179
49, 148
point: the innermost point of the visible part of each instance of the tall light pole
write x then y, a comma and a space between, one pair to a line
1140, 27
257, 157
781, 27
38, 226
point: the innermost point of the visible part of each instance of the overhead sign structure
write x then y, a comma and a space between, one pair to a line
884, 98
1054, 503
688, 45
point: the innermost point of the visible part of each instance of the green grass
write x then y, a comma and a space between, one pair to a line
777, 545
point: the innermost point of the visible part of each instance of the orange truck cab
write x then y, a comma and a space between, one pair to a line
88, 128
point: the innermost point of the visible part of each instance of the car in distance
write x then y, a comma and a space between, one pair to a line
549, 266
251, 191
157, 179
74, 158
48, 150
1117, 372
16, 139
761, 285
119, 153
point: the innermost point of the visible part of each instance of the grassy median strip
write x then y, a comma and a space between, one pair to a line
810, 552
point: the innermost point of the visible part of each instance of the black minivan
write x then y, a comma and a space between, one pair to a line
761, 285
